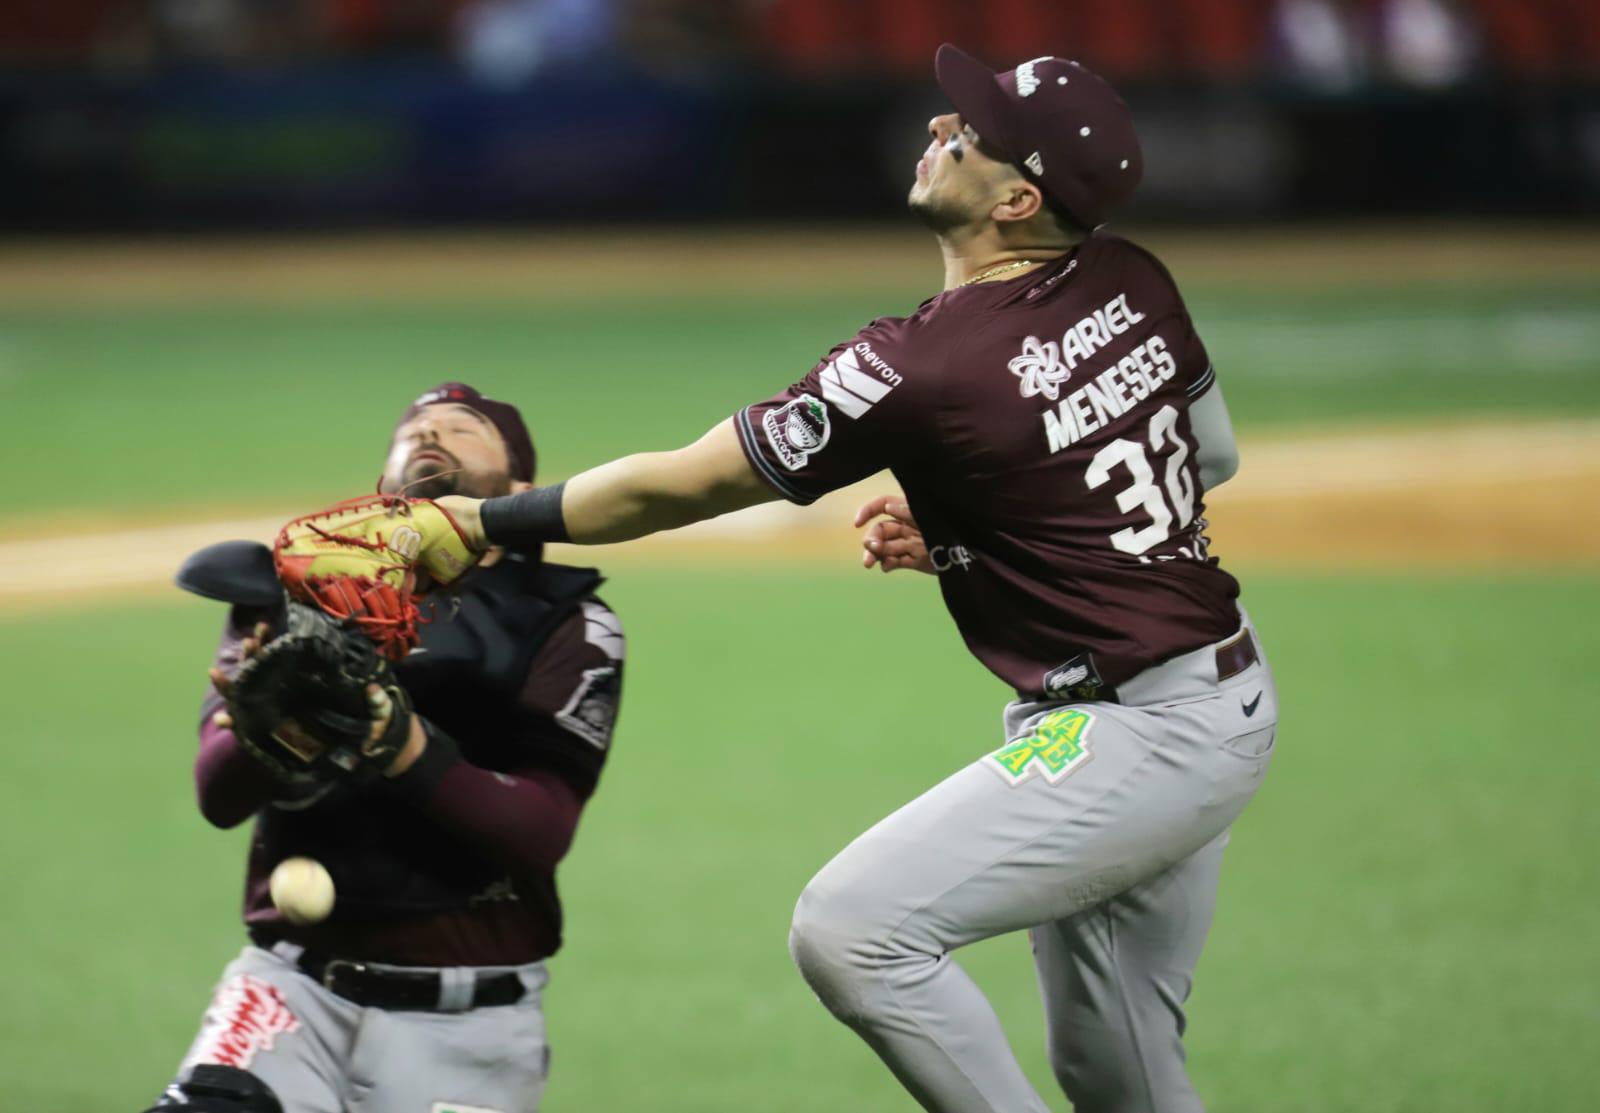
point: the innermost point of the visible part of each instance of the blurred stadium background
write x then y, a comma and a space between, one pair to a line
239, 235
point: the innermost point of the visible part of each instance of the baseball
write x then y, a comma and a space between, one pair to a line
302, 890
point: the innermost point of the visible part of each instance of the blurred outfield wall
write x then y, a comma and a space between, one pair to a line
412, 142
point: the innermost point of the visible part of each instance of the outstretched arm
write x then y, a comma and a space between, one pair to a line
622, 500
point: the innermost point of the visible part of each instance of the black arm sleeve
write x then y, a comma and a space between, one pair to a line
525, 518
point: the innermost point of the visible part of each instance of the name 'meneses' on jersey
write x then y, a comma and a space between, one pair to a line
1040, 430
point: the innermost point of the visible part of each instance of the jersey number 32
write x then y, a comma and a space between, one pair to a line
1178, 484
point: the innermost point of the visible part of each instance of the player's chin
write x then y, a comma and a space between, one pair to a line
432, 486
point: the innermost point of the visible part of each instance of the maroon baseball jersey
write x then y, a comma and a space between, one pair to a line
453, 862
1040, 430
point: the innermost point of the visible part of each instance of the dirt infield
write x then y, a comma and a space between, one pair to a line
697, 263
1462, 497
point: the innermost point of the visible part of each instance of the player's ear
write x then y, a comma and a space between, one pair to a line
1020, 201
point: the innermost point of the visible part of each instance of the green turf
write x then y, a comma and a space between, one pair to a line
169, 407
1407, 919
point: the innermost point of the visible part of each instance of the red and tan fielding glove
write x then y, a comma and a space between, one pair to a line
360, 560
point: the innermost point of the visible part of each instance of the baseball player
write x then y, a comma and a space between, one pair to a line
1055, 424
421, 991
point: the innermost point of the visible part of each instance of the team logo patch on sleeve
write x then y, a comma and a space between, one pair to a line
797, 430
592, 711
1056, 746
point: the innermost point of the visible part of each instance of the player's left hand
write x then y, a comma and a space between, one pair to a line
893, 540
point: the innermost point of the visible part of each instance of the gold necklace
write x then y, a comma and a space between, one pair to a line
1003, 268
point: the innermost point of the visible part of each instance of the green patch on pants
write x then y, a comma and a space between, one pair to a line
1058, 744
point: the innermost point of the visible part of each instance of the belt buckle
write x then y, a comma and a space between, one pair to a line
331, 971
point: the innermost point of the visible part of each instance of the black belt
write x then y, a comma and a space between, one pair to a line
1233, 657
402, 990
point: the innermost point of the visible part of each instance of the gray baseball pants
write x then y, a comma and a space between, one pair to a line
323, 1054
1100, 828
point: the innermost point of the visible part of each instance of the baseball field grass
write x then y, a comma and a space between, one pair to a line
178, 406
1407, 917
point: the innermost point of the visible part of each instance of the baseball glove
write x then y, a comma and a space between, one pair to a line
306, 702
367, 559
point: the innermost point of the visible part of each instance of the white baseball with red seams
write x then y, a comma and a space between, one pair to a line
302, 890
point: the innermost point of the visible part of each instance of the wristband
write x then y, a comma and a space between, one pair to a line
441, 753
525, 518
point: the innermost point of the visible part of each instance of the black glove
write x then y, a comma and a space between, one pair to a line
302, 704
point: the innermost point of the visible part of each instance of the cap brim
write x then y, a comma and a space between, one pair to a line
972, 88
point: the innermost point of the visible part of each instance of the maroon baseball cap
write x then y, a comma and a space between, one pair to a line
1065, 128
502, 415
